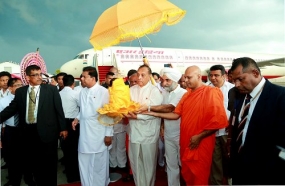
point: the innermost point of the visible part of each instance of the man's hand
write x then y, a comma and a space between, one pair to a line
131, 115
108, 140
74, 123
63, 134
194, 142
142, 108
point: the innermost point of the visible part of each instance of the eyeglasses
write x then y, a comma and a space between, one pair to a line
17, 85
36, 75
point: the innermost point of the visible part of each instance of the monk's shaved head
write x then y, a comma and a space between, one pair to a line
194, 69
193, 77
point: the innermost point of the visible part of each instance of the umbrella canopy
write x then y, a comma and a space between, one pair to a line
132, 19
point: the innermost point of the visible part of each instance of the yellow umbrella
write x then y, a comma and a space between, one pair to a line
132, 19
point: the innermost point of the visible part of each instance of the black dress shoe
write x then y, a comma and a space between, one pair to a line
123, 169
113, 169
72, 180
129, 177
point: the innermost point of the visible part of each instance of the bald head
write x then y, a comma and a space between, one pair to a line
194, 69
193, 77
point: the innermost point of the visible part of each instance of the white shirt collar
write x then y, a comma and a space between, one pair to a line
258, 88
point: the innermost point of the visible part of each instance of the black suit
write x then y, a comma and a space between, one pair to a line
39, 140
258, 162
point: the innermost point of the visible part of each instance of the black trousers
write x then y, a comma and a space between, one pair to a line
70, 151
39, 157
13, 153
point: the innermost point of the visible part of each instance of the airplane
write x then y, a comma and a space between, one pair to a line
125, 58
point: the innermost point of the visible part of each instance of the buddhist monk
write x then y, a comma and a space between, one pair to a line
202, 114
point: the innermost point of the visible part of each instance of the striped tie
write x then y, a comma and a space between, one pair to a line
243, 121
32, 106
16, 119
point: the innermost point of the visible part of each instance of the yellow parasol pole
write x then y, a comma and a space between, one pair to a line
145, 61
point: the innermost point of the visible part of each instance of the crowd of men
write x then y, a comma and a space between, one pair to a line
230, 130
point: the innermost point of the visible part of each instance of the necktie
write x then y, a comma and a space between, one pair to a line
243, 121
32, 105
16, 119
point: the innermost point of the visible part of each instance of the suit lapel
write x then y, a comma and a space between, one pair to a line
25, 94
259, 109
42, 96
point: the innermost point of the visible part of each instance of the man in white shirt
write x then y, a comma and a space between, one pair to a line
161, 146
70, 105
171, 128
4, 91
81, 86
94, 138
4, 77
219, 167
59, 80
144, 130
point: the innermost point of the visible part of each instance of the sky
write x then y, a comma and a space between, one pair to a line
61, 28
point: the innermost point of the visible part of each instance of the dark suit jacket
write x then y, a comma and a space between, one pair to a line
50, 116
258, 161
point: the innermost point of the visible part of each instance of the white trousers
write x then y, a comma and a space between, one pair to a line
161, 152
94, 168
143, 158
118, 155
172, 156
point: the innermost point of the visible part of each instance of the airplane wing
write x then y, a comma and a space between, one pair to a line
277, 62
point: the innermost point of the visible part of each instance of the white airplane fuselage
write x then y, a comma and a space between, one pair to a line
126, 58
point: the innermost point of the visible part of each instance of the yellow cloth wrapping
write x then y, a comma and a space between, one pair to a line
119, 103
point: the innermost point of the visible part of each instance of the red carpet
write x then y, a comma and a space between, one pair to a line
161, 179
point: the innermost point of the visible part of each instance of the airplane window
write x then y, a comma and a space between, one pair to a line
158, 57
170, 57
213, 58
86, 55
122, 56
186, 57
81, 56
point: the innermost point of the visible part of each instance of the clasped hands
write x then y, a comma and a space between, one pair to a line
133, 115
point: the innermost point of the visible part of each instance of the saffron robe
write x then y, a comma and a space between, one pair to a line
199, 110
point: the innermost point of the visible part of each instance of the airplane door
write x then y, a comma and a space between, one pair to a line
179, 59
107, 57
